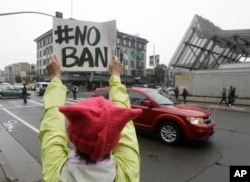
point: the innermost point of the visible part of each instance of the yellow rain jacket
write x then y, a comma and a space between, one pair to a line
53, 139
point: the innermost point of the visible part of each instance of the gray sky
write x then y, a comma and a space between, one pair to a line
162, 22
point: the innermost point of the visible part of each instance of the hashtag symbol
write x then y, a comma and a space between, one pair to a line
63, 34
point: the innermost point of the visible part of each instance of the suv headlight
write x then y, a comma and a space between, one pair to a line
194, 120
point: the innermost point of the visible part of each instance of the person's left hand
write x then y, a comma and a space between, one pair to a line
54, 67
116, 67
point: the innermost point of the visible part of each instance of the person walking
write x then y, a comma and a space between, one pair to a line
74, 91
24, 94
232, 97
176, 92
184, 95
102, 131
223, 96
229, 95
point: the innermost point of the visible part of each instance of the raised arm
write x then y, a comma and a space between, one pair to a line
126, 152
52, 137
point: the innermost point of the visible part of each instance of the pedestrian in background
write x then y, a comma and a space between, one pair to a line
231, 97
176, 92
223, 96
24, 94
102, 132
184, 95
74, 91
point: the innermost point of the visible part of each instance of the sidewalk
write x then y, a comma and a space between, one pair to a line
16, 164
213, 106
241, 105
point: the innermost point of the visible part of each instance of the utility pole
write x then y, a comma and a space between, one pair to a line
153, 59
71, 9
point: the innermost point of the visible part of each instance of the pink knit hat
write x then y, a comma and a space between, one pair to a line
95, 125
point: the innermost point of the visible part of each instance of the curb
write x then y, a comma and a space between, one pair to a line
210, 106
8, 171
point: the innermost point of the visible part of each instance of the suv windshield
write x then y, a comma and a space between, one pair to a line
161, 99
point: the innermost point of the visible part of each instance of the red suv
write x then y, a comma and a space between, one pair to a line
171, 121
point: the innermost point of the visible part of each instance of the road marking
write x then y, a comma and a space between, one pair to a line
22, 121
38, 103
69, 102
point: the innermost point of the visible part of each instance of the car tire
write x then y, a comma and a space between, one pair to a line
1, 96
169, 133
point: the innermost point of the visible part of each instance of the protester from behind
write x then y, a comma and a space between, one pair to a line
102, 132
184, 95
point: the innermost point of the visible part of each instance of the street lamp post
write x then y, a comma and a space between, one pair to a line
135, 56
58, 14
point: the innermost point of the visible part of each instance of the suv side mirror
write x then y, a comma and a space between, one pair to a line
147, 103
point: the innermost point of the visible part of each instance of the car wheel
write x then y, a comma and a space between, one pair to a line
1, 96
169, 133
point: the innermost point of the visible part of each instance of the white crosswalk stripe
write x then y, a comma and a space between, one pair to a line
77, 100
68, 101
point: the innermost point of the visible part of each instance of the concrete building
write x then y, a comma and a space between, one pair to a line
2, 78
131, 50
17, 69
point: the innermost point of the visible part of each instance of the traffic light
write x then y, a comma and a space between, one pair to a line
59, 14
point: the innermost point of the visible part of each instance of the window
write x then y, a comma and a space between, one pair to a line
44, 62
136, 98
142, 56
104, 93
142, 65
129, 43
140, 46
132, 64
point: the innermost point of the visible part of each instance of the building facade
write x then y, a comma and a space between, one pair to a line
2, 77
21, 69
130, 49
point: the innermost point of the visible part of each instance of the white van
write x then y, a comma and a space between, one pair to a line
41, 87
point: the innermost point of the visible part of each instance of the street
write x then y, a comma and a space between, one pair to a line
189, 161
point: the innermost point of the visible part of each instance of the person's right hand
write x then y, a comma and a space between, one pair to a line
115, 67
54, 67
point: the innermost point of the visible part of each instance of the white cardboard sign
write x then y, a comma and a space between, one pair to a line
83, 45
